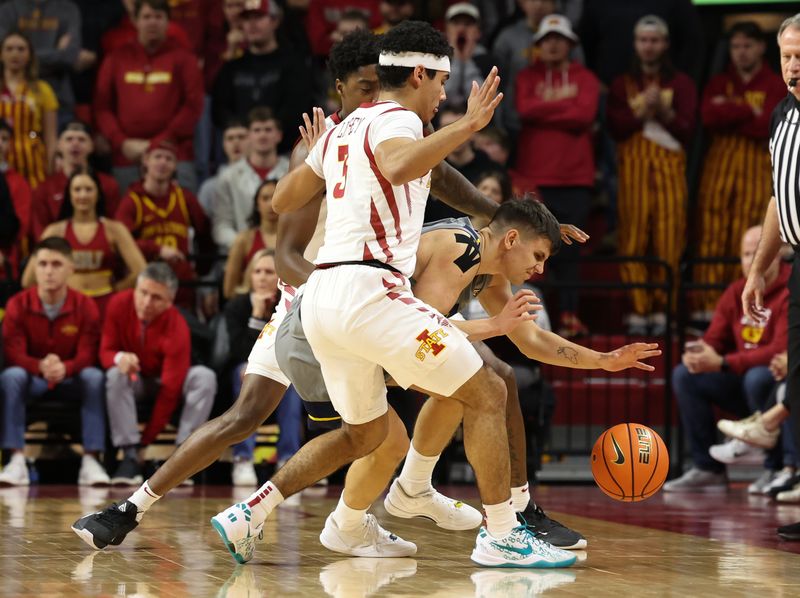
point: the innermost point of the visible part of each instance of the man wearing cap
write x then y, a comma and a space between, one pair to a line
149, 89
74, 147
651, 115
159, 212
267, 74
556, 100
471, 62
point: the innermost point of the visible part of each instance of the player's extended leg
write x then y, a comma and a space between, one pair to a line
259, 397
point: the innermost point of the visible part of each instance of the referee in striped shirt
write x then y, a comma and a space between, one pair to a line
782, 221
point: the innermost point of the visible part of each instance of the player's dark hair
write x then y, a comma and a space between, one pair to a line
254, 220
530, 215
410, 36
67, 209
748, 29
357, 49
59, 244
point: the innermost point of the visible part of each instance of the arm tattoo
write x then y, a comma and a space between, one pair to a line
569, 354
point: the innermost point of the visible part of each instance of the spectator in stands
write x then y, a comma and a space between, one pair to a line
263, 223
514, 50
470, 62
496, 185
266, 75
465, 158
233, 201
393, 12
54, 30
651, 115
729, 367
328, 21
736, 183
234, 146
235, 44
29, 105
15, 209
145, 349
493, 142
74, 147
126, 32
246, 315
149, 89
160, 213
50, 337
100, 245
556, 100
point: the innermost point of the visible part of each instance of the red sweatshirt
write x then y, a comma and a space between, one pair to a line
48, 196
743, 343
680, 91
149, 96
736, 115
555, 145
29, 335
163, 348
15, 250
323, 15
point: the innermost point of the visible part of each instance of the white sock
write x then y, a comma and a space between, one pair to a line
263, 501
520, 497
417, 471
347, 518
144, 498
500, 519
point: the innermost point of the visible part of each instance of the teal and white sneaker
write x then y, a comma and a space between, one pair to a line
520, 548
235, 527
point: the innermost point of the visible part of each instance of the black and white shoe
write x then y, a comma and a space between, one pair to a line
550, 530
128, 473
790, 532
109, 526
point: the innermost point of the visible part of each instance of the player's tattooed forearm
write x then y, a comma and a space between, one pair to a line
472, 253
569, 354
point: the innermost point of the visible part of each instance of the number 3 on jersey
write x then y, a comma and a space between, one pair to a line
338, 190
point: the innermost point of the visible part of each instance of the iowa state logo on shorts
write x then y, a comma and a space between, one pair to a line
431, 343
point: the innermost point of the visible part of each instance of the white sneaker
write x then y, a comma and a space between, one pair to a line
792, 495
490, 583
443, 511
737, 452
92, 473
763, 482
750, 430
235, 527
244, 473
781, 478
15, 472
369, 540
363, 577
518, 549
698, 480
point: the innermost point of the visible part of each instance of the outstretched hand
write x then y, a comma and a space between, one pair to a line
630, 356
570, 232
518, 309
483, 101
314, 127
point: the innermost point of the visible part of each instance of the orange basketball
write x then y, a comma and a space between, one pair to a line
630, 462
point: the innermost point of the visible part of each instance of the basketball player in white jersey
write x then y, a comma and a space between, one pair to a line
358, 311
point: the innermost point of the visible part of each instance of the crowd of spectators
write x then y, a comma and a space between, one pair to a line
141, 142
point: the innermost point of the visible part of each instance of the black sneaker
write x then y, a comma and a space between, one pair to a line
790, 532
550, 530
789, 485
128, 473
109, 526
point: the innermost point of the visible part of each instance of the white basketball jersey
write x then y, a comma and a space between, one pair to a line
368, 217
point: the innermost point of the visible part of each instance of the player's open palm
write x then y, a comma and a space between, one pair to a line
314, 127
630, 356
522, 307
483, 101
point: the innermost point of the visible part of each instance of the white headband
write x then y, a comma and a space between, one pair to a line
413, 59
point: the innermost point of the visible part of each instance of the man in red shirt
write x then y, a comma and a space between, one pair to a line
74, 146
729, 368
145, 349
556, 100
50, 336
149, 89
15, 209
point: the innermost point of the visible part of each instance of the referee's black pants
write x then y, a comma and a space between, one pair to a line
793, 373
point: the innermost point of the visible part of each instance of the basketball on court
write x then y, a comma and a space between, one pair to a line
630, 462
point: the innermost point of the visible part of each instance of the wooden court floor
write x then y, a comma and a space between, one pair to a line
722, 546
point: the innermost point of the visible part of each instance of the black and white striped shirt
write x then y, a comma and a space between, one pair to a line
784, 149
